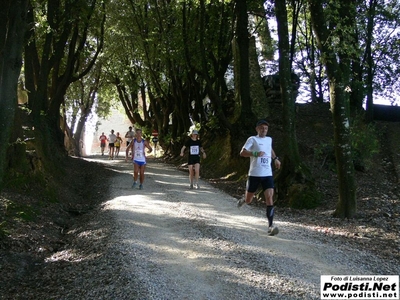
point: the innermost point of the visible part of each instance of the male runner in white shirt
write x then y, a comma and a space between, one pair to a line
259, 149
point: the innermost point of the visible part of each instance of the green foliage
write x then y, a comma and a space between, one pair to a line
213, 123
19, 212
3, 229
303, 196
220, 161
17, 162
25, 214
30, 184
169, 52
146, 132
324, 153
195, 126
364, 142
165, 139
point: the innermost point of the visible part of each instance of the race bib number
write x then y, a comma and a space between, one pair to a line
138, 154
264, 161
194, 150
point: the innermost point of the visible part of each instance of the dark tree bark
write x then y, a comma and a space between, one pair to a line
12, 31
260, 105
89, 92
55, 60
337, 66
242, 74
293, 172
370, 62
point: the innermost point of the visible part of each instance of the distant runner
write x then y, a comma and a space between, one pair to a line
130, 134
103, 139
111, 144
118, 144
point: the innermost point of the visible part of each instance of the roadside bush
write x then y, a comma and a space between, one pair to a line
364, 143
325, 154
302, 196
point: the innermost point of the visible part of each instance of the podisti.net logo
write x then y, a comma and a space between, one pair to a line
382, 287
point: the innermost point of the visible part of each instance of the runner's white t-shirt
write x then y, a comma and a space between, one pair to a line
112, 138
260, 166
129, 136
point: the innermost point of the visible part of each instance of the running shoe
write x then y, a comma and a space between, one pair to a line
197, 186
140, 187
241, 202
273, 230
134, 184
191, 187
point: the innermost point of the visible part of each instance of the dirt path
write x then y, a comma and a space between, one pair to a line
176, 243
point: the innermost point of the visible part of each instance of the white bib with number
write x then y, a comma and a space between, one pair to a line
194, 150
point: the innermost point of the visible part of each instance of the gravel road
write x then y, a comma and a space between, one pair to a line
169, 242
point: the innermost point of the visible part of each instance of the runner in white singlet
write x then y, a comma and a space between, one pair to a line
137, 147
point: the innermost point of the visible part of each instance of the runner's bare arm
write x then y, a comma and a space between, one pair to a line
246, 153
276, 159
183, 150
204, 152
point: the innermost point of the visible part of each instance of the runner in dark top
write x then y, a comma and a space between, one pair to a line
195, 147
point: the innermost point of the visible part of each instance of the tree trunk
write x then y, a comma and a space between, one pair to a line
242, 75
370, 62
313, 71
294, 175
346, 206
12, 30
78, 136
240, 49
357, 90
338, 75
211, 91
53, 60
260, 105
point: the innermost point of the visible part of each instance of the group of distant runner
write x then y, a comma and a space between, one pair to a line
115, 142
258, 148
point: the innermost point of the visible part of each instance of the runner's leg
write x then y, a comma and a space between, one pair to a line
251, 188
196, 172
135, 172
269, 194
191, 171
126, 151
142, 168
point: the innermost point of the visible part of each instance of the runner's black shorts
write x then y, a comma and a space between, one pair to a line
253, 183
194, 160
